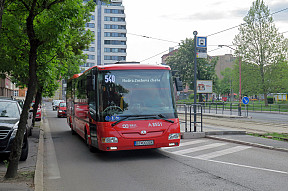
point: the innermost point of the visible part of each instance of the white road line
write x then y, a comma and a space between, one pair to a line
222, 152
186, 143
190, 150
166, 153
52, 164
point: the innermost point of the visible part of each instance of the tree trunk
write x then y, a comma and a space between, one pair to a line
37, 102
265, 99
2, 2
18, 141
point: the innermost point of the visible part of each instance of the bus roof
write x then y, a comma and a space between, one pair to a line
131, 67
75, 76
125, 67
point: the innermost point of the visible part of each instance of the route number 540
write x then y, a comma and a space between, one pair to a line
109, 78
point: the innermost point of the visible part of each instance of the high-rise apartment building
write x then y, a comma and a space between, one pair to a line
109, 26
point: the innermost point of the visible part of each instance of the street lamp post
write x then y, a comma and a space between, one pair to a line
239, 108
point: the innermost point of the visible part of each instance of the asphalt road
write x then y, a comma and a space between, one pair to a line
198, 164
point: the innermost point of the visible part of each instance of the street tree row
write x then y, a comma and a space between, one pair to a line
41, 41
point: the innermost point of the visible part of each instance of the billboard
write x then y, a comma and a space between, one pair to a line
204, 86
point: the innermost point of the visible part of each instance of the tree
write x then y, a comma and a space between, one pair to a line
37, 38
260, 45
183, 62
2, 3
226, 83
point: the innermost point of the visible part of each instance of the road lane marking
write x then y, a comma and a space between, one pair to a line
186, 144
166, 153
222, 152
200, 148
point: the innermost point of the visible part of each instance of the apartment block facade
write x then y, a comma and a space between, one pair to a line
109, 26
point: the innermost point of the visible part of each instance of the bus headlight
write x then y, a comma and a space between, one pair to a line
109, 140
174, 136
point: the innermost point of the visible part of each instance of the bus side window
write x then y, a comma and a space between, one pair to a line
89, 83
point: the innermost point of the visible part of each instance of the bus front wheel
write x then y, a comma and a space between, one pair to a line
91, 148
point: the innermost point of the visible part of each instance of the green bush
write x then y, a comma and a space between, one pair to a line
270, 100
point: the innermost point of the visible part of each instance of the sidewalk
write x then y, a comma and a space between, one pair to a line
236, 133
26, 169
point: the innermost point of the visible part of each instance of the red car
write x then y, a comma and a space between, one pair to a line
39, 112
61, 110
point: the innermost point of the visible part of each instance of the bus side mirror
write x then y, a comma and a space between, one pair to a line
89, 83
179, 84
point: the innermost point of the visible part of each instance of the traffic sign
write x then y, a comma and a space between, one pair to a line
201, 42
245, 100
201, 52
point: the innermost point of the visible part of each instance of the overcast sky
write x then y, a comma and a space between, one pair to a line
171, 20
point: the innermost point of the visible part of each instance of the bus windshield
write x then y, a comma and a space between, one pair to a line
124, 93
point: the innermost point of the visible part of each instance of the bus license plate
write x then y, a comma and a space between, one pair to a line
143, 143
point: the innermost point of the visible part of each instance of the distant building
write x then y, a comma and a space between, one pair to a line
8, 89
224, 61
6, 86
109, 26
20, 93
171, 53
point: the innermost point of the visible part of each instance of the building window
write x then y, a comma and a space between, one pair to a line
90, 25
92, 49
115, 19
88, 64
92, 17
114, 11
114, 34
116, 50
115, 42
106, 26
110, 4
117, 58
16, 93
91, 57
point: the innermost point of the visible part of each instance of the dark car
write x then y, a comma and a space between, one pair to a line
9, 119
61, 110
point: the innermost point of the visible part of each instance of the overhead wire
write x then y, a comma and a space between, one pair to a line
207, 35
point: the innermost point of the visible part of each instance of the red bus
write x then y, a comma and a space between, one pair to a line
124, 107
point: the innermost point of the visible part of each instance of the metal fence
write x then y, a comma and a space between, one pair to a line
237, 109
192, 116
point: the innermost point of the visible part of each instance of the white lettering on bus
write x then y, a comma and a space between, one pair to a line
157, 124
141, 80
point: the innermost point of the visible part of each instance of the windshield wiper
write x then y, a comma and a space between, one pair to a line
126, 117
163, 117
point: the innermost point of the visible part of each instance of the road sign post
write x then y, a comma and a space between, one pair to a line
201, 47
245, 101
195, 77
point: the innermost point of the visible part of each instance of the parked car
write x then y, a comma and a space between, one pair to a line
38, 113
10, 112
61, 111
30, 114
55, 104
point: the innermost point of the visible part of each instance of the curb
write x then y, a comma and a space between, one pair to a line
247, 143
195, 135
38, 177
